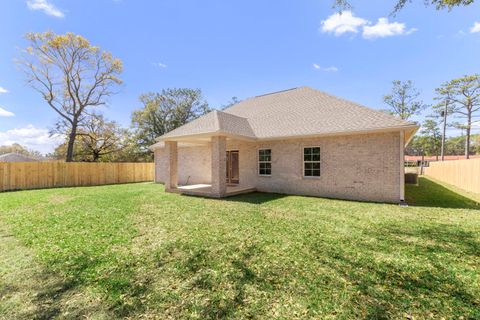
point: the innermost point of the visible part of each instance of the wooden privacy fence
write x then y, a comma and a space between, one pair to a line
464, 174
35, 175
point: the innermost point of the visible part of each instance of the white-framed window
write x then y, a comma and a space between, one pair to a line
265, 162
311, 161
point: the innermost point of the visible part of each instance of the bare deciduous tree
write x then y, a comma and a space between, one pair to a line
71, 75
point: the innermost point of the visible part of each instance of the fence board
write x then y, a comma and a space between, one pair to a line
35, 175
464, 174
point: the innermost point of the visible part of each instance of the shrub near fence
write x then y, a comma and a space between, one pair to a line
35, 175
464, 174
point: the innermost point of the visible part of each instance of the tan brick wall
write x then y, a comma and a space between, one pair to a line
171, 154
358, 167
194, 165
219, 166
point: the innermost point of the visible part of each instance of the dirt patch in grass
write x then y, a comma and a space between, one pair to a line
59, 198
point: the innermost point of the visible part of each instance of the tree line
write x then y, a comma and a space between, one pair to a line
456, 105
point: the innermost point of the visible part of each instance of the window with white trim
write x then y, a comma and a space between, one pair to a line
265, 162
311, 162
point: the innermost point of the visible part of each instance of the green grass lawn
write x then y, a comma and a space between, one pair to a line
135, 251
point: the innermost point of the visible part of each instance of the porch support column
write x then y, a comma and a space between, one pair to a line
171, 179
219, 166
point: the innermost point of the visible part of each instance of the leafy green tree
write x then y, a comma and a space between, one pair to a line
131, 153
464, 94
432, 138
99, 138
476, 143
71, 75
165, 111
61, 150
454, 145
415, 147
403, 101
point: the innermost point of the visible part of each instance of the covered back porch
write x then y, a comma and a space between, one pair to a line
223, 172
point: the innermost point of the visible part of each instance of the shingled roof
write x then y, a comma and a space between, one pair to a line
215, 122
16, 157
291, 113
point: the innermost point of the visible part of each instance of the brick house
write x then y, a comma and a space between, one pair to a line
298, 141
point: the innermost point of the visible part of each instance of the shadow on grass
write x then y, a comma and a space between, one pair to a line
388, 287
255, 197
398, 283
432, 194
225, 307
49, 294
57, 294
227, 289
49, 299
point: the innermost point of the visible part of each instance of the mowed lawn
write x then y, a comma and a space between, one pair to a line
135, 251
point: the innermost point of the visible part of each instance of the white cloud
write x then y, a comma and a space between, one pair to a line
345, 22
383, 28
327, 69
31, 137
3, 90
159, 65
330, 69
475, 28
5, 113
45, 6
340, 23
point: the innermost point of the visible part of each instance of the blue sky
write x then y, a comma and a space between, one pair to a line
239, 48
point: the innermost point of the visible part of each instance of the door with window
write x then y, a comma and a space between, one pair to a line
233, 167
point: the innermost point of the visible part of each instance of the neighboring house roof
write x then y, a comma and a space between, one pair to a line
291, 113
16, 157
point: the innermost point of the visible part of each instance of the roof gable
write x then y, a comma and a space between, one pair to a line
215, 122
